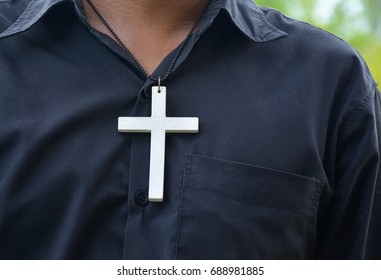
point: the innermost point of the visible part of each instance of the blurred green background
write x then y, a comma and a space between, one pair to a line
356, 21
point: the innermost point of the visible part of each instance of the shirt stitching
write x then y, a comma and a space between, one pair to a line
357, 111
187, 174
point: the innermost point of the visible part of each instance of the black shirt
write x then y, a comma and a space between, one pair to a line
285, 164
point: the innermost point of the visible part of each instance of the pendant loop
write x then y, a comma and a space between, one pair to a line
159, 84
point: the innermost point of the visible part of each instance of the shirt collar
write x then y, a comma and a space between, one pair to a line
33, 11
246, 15
250, 20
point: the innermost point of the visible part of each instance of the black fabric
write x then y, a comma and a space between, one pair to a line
285, 165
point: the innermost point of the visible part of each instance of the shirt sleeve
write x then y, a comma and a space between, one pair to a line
373, 250
349, 225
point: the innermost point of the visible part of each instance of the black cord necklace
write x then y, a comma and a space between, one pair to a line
158, 124
124, 47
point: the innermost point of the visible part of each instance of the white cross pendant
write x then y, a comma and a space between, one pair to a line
158, 125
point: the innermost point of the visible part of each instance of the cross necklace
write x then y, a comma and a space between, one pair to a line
158, 124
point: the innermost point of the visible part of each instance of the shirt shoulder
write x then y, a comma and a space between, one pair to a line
306, 36
322, 47
337, 67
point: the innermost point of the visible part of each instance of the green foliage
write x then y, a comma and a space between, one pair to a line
356, 21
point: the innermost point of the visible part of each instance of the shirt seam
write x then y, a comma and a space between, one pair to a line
187, 174
357, 111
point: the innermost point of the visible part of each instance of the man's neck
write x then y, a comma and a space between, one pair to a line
150, 29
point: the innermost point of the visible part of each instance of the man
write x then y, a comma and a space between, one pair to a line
284, 165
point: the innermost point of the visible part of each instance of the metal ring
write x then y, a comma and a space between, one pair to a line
159, 84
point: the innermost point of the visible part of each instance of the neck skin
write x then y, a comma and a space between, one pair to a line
150, 29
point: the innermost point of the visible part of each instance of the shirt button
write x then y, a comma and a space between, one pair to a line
141, 198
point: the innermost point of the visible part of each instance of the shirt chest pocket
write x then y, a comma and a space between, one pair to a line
232, 210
